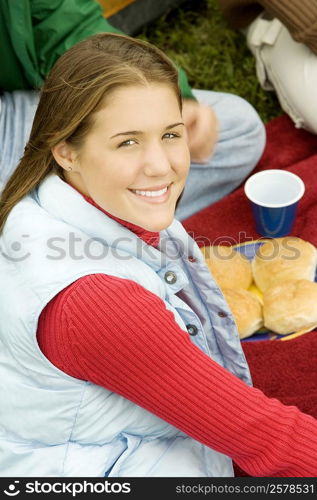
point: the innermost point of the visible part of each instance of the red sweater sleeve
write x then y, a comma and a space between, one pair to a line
116, 334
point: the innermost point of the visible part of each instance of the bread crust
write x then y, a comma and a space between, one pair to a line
290, 306
246, 309
230, 268
283, 259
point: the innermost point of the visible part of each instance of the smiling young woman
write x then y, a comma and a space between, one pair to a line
135, 159
120, 357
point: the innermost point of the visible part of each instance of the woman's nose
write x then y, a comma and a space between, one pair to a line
156, 161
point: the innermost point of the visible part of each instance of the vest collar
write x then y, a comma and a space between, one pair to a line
68, 205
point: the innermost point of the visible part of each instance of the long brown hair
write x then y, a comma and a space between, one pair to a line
76, 88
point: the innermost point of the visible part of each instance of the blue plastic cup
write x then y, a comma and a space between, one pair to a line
274, 196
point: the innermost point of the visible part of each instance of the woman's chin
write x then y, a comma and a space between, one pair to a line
158, 225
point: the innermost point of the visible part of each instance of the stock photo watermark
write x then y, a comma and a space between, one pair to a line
76, 248
61, 487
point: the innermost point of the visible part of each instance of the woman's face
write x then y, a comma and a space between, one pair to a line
135, 160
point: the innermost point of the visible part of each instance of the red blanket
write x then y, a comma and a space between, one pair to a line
286, 370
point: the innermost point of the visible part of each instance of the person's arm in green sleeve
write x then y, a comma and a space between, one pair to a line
17, 55
34, 36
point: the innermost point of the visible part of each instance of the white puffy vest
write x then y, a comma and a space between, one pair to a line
52, 424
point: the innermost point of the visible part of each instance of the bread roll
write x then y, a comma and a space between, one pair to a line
246, 309
230, 268
282, 259
290, 306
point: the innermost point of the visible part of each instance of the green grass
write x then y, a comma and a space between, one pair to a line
215, 57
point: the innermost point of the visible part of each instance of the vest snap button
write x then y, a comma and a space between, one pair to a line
170, 277
192, 330
222, 314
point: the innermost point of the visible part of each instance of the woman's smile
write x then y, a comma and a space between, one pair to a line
153, 195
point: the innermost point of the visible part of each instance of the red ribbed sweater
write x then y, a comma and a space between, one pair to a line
116, 334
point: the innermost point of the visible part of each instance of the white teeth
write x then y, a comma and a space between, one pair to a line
150, 193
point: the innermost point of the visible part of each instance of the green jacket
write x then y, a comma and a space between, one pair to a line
35, 33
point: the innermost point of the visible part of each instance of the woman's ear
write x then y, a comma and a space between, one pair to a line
65, 156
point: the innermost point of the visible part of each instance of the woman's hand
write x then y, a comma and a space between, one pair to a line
202, 129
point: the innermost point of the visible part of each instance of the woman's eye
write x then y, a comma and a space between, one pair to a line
129, 142
171, 135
